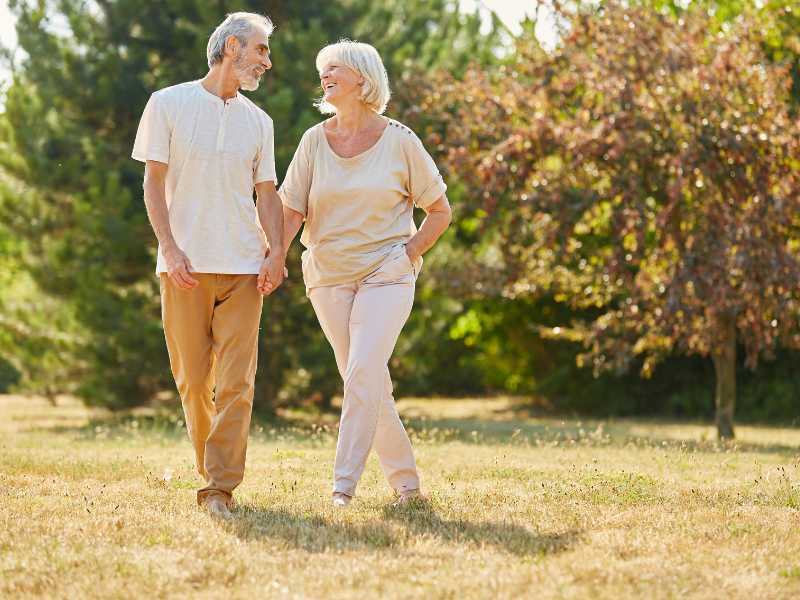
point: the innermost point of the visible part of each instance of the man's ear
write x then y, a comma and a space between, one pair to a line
232, 46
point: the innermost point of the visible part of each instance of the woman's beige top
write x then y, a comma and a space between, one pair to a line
357, 210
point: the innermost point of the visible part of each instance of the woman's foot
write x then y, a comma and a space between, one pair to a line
409, 497
341, 500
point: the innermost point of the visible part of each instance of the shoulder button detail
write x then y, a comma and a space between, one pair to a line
402, 128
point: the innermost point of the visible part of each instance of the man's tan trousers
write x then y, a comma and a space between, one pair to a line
362, 322
212, 338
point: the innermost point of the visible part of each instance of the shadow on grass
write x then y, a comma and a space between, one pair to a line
124, 425
313, 533
316, 533
421, 518
571, 432
170, 425
549, 431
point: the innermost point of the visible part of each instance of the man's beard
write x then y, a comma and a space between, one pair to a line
248, 81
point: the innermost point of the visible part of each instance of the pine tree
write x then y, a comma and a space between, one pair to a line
66, 134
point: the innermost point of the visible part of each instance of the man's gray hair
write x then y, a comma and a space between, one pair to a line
238, 24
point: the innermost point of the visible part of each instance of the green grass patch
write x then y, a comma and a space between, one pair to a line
103, 506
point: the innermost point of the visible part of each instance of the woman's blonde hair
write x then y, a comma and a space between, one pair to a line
365, 61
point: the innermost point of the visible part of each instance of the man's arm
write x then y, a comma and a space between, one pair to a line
155, 200
270, 215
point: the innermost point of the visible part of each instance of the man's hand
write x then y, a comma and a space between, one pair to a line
179, 267
271, 273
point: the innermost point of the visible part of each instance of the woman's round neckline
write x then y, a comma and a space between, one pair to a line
361, 154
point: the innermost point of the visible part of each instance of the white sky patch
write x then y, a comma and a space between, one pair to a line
513, 12
510, 12
8, 39
8, 35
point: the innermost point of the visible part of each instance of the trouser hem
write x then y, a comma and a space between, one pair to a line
204, 495
347, 491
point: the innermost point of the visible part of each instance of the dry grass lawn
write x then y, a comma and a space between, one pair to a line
98, 507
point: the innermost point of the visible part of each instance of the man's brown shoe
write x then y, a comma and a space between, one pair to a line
217, 508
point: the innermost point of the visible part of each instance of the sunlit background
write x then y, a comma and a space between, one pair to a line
510, 12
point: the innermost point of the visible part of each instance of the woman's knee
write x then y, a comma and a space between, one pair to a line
364, 372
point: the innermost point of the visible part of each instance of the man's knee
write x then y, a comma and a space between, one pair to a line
195, 389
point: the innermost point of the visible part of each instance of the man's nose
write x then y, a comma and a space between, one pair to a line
267, 62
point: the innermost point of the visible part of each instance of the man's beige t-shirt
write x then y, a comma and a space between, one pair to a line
216, 151
357, 210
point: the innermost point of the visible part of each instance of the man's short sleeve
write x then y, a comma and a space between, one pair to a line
425, 183
265, 163
297, 183
154, 133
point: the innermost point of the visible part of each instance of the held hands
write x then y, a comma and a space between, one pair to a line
271, 273
179, 267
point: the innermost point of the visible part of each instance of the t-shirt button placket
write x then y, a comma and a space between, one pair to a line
221, 132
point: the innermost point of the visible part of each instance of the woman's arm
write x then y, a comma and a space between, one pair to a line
295, 189
438, 217
292, 220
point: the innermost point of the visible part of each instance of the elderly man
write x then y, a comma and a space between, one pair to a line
205, 148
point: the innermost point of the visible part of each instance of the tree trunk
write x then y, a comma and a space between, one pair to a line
269, 378
724, 357
326, 403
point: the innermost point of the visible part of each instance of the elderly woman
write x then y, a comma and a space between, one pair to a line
355, 179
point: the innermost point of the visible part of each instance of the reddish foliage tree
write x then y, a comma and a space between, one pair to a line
646, 173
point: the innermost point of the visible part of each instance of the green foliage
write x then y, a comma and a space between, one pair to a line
84, 248
779, 20
644, 175
496, 310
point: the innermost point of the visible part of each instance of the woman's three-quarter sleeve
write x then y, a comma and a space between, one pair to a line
425, 183
297, 184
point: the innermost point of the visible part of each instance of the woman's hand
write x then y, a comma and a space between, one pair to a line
272, 272
412, 253
436, 221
